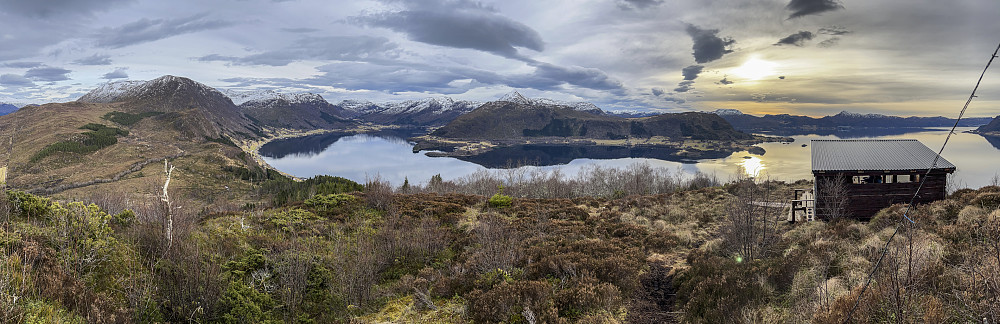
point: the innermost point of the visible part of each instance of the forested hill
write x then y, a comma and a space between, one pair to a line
500, 120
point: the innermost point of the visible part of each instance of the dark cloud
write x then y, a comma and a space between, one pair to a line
96, 59
797, 39
691, 72
801, 8
658, 91
332, 48
708, 46
148, 30
725, 81
638, 4
578, 76
684, 86
834, 30
829, 42
52, 8
468, 25
15, 81
673, 99
118, 73
47, 74
22, 65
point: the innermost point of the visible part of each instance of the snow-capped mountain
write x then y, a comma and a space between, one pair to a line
516, 97
110, 91
205, 112
298, 111
426, 112
846, 113
241, 97
727, 112
133, 89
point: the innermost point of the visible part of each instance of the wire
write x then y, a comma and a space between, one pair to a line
899, 223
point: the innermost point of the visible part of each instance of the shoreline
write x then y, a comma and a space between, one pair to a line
449, 147
252, 147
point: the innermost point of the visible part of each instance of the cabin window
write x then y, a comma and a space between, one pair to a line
867, 179
903, 178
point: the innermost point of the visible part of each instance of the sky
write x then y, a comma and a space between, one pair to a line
801, 57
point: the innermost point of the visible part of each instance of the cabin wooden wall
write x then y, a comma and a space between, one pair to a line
865, 200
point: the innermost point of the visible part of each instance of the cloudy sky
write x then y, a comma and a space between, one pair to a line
809, 57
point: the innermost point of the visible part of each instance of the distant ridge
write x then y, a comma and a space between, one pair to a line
6, 108
990, 129
295, 111
785, 122
515, 117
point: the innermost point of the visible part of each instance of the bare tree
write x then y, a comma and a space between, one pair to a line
168, 169
832, 197
752, 217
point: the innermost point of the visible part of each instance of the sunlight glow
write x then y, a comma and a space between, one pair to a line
752, 165
755, 69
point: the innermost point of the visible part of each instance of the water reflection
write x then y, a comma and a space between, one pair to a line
993, 140
752, 166
358, 157
548, 155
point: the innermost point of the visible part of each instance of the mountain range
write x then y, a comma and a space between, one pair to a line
6, 108
791, 123
516, 118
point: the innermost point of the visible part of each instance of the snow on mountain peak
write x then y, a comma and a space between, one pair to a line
260, 96
516, 97
727, 112
846, 113
114, 90
110, 91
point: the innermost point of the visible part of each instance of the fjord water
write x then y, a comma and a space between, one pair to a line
389, 155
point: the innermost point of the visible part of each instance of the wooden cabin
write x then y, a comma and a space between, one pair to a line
857, 178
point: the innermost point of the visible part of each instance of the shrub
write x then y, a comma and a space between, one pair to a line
27, 205
125, 217
331, 202
500, 200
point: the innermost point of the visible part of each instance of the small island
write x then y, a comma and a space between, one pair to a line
514, 122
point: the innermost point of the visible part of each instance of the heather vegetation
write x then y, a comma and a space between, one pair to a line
637, 245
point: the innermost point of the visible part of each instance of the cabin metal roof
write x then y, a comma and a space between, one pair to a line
874, 155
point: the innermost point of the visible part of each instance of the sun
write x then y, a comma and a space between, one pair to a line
755, 69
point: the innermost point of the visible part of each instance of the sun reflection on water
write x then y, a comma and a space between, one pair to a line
752, 166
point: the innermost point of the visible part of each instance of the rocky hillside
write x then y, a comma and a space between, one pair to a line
118, 136
197, 110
